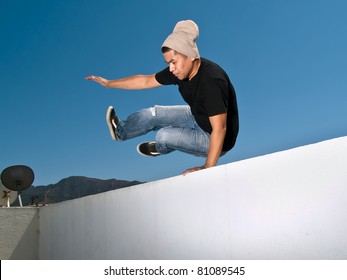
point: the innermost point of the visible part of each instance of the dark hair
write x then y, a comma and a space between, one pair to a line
165, 49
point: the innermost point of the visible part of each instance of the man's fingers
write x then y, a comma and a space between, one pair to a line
190, 170
91, 78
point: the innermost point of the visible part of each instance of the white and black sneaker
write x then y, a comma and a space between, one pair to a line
112, 122
147, 149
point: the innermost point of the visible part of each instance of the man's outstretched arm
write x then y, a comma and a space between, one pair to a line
132, 82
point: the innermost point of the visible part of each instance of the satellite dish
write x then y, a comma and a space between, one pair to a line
17, 178
7, 197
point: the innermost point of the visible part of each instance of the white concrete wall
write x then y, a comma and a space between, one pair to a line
286, 205
19, 233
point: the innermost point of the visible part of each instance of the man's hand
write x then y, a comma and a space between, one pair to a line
102, 81
190, 170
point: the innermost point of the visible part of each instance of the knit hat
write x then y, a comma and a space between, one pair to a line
183, 37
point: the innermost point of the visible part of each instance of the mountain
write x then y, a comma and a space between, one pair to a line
70, 188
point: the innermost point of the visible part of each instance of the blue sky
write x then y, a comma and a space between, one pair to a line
286, 59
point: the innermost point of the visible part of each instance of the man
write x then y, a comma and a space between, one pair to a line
207, 126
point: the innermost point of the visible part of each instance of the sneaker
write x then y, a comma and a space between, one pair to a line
147, 149
112, 122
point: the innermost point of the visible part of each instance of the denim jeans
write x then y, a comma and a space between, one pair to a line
176, 126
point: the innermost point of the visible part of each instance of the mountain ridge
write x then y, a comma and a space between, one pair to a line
70, 188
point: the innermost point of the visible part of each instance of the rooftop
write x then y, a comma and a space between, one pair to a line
286, 205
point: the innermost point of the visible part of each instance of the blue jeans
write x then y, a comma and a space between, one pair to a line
176, 126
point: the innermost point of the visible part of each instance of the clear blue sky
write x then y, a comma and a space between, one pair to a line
286, 59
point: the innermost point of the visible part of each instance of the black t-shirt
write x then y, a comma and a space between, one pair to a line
209, 93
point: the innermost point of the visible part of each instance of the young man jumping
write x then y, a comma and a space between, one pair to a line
208, 126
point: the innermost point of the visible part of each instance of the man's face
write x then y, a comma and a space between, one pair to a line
180, 65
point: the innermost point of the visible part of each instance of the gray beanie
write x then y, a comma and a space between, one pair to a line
183, 37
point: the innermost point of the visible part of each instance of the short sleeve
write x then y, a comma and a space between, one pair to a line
165, 77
